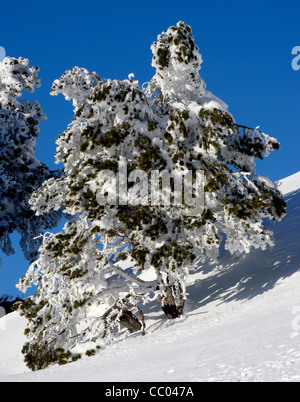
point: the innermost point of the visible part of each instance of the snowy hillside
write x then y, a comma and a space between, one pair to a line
289, 184
242, 323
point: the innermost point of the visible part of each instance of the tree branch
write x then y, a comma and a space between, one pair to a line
142, 284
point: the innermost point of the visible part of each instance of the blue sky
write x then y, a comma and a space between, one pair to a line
246, 48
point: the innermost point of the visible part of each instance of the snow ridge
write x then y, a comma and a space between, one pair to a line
289, 184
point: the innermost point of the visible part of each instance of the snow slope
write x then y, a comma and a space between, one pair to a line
242, 323
289, 184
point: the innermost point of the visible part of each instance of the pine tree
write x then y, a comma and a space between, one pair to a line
123, 138
21, 173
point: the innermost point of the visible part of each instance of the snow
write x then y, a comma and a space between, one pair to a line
242, 323
11, 342
289, 184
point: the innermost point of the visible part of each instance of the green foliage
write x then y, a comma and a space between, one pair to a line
39, 356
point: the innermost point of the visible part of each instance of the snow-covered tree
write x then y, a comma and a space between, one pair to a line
21, 173
123, 138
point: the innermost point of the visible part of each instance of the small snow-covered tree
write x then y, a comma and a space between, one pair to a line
21, 173
124, 137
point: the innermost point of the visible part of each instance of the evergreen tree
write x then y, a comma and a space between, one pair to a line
21, 173
124, 137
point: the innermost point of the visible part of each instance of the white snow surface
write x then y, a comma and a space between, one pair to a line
241, 323
289, 184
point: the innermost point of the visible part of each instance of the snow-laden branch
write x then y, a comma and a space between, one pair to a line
143, 285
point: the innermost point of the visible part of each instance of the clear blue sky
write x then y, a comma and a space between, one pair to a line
246, 48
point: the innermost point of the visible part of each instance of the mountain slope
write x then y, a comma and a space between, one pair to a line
242, 323
289, 184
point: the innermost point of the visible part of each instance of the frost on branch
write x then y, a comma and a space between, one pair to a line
177, 60
21, 173
76, 84
173, 126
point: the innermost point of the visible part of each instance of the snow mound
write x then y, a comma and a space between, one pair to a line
242, 323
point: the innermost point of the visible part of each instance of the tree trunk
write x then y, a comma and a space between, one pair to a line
127, 317
169, 305
129, 320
